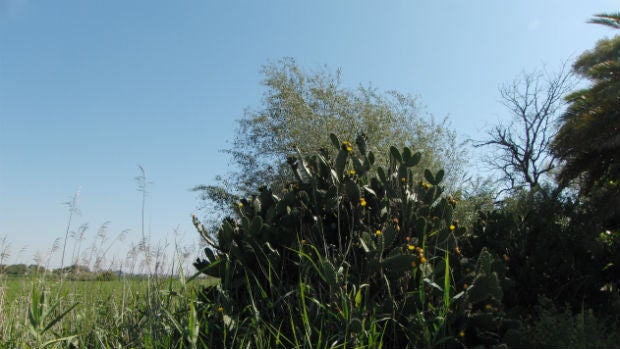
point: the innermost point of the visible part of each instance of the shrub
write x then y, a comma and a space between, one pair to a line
552, 250
348, 258
551, 328
107, 275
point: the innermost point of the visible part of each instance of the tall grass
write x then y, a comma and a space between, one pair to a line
100, 300
73, 209
45, 310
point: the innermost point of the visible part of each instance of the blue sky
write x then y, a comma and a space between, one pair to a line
89, 90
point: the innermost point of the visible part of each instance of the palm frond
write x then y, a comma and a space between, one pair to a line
608, 19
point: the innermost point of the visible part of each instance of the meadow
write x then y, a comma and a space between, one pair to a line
43, 311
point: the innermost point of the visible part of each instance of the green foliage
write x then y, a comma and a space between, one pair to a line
42, 316
352, 254
123, 313
609, 19
565, 329
15, 269
487, 322
300, 109
107, 275
548, 248
588, 140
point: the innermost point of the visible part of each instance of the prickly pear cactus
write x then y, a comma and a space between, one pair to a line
481, 317
349, 234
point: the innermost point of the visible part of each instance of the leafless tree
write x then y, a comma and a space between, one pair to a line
522, 147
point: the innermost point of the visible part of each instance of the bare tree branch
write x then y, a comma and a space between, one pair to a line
522, 147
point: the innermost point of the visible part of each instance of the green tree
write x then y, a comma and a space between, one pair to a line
16, 269
589, 137
301, 109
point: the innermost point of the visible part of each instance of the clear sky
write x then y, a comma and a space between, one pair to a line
90, 90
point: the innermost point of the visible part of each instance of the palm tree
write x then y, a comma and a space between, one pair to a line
608, 19
589, 137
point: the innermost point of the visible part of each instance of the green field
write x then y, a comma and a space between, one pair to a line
129, 312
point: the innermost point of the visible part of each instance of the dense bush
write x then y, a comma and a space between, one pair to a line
554, 250
553, 328
353, 254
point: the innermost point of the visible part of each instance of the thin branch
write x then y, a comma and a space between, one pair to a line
522, 147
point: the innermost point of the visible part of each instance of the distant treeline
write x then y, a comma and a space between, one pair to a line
73, 272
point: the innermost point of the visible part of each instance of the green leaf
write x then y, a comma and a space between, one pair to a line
364, 246
334, 176
360, 140
458, 296
420, 226
442, 236
389, 235
302, 167
59, 317
406, 155
446, 280
399, 264
303, 196
330, 274
392, 193
341, 162
371, 157
266, 198
381, 173
359, 168
245, 224
210, 256
430, 196
414, 160
256, 225
352, 190
485, 287
215, 269
444, 210
56, 340
484, 262
358, 298
335, 140
370, 191
226, 235
429, 176
396, 154
34, 313
439, 176
433, 284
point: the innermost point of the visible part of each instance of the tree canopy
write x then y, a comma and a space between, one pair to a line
299, 111
589, 137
